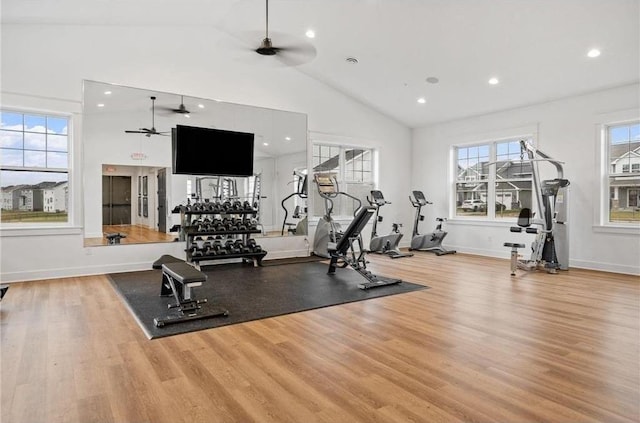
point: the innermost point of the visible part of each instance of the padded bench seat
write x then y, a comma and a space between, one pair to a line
165, 258
184, 273
181, 277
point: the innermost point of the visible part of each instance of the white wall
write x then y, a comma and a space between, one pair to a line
567, 131
43, 67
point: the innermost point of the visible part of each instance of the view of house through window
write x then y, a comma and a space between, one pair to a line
493, 180
353, 168
34, 168
624, 172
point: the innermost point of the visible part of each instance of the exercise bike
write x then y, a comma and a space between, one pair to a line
427, 242
328, 232
384, 244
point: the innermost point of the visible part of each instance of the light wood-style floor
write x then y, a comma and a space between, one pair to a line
135, 234
479, 346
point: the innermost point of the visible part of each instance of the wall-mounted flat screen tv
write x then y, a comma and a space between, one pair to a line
206, 151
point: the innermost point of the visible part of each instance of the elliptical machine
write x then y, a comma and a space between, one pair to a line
328, 232
384, 244
427, 242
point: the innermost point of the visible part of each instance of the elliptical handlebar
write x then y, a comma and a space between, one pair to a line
328, 189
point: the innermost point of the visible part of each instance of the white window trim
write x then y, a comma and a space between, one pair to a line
601, 212
342, 142
488, 138
72, 225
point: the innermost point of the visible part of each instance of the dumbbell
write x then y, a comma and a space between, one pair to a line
219, 248
230, 247
241, 247
253, 246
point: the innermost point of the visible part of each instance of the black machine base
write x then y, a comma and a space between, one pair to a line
378, 281
344, 253
197, 314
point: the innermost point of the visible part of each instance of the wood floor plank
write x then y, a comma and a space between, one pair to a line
478, 346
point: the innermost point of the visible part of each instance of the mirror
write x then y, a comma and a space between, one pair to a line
129, 188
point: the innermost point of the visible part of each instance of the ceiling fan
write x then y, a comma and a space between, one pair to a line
150, 131
289, 54
181, 109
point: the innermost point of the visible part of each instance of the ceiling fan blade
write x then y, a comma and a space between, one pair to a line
296, 55
148, 132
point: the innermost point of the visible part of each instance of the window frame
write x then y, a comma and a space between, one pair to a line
607, 172
338, 213
492, 178
70, 226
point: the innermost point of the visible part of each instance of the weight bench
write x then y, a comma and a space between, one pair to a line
114, 238
182, 277
165, 290
344, 253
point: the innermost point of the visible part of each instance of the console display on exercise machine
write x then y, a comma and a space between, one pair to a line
326, 183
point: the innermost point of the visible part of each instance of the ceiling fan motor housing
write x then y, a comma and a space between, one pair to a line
266, 48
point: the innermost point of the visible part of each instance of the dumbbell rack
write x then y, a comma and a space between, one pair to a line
210, 233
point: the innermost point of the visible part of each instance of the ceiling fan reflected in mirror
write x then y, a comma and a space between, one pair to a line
150, 131
289, 51
181, 109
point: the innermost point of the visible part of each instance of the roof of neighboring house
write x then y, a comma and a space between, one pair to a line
41, 185
618, 151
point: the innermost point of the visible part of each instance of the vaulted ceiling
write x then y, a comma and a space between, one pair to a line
537, 49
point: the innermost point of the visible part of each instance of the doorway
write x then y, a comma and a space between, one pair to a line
162, 200
116, 200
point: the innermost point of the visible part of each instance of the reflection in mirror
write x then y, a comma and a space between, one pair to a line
126, 140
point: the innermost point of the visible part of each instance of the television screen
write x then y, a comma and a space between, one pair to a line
206, 151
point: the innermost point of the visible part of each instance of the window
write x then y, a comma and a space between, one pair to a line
493, 180
34, 159
353, 166
623, 158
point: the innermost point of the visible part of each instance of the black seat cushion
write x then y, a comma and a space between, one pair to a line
183, 272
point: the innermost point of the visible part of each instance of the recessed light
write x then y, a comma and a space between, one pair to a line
310, 33
100, 104
187, 115
432, 80
265, 143
494, 81
352, 60
107, 93
594, 52
201, 106
422, 100
287, 138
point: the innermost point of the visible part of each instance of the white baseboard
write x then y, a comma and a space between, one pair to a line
41, 274
576, 263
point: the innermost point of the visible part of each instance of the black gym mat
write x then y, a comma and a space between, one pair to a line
249, 293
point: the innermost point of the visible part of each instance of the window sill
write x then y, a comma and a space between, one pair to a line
40, 231
617, 229
480, 222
